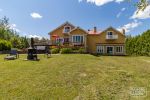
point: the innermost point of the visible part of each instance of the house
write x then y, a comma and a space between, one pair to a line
109, 41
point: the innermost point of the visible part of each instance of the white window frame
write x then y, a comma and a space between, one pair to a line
109, 32
76, 39
65, 27
100, 49
113, 36
121, 49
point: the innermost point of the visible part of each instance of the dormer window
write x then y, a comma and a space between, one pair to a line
110, 33
67, 29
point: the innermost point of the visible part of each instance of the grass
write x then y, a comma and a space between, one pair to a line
74, 77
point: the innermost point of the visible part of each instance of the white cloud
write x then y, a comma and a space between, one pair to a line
35, 36
130, 26
14, 27
119, 1
119, 14
36, 15
30, 35
123, 9
80, 0
101, 2
141, 14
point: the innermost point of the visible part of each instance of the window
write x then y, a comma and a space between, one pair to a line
67, 29
100, 49
119, 49
78, 39
109, 33
66, 40
59, 40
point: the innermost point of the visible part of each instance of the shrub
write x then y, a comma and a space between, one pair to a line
5, 45
8, 45
82, 50
55, 50
66, 50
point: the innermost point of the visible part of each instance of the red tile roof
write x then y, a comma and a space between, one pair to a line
92, 32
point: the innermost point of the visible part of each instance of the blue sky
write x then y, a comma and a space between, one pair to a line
38, 17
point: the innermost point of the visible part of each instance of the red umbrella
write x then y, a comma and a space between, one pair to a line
55, 36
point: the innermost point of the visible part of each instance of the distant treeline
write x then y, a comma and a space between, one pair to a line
9, 38
138, 45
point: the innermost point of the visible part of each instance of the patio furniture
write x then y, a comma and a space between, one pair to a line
9, 58
14, 52
12, 55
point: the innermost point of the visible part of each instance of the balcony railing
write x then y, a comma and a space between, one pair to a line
111, 37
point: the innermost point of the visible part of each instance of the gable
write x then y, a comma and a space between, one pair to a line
102, 36
112, 30
61, 27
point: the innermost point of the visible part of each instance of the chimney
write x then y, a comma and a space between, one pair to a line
32, 42
95, 29
123, 31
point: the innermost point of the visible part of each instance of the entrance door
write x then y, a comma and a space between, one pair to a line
110, 49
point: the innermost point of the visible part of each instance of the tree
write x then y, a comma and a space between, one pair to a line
142, 4
5, 45
139, 45
11, 35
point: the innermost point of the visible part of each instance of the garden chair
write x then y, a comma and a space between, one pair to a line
13, 55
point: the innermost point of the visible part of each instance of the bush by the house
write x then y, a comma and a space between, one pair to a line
66, 50
55, 50
82, 51
5, 45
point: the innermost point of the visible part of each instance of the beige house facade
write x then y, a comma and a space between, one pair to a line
107, 42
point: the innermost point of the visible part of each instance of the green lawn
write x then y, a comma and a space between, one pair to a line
74, 77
